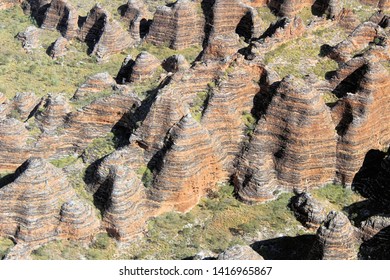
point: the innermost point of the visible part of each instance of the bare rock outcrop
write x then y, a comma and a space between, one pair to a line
308, 210
61, 16
362, 115
144, 67
286, 150
24, 103
175, 63
103, 35
136, 17
13, 144
95, 84
179, 27
239, 252
374, 225
54, 113
29, 38
59, 48
289, 8
190, 167
335, 239
126, 210
31, 204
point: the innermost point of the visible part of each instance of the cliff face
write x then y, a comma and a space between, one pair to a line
186, 174
335, 239
179, 27
286, 150
38, 204
62, 16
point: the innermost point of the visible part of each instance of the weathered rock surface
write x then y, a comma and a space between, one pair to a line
335, 239
13, 144
95, 84
32, 205
29, 38
179, 27
59, 48
136, 16
373, 225
239, 252
62, 16
290, 8
125, 217
23, 104
287, 151
360, 112
175, 63
308, 210
190, 167
230, 102
103, 35
54, 113
144, 67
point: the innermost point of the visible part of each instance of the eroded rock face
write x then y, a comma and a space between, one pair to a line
308, 210
13, 144
290, 8
175, 63
363, 111
286, 150
62, 16
145, 66
239, 252
103, 35
190, 167
59, 48
29, 38
125, 217
23, 104
34, 204
136, 16
335, 239
95, 84
54, 113
373, 225
179, 27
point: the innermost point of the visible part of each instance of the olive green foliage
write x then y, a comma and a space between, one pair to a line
5, 245
217, 222
88, 99
146, 176
336, 197
198, 105
99, 148
250, 122
63, 162
362, 11
330, 98
102, 248
267, 17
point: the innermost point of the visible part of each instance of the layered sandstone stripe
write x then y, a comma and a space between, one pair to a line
373, 226
126, 210
136, 17
24, 103
363, 124
59, 48
13, 144
62, 16
290, 8
29, 38
54, 113
293, 146
30, 208
228, 105
145, 66
335, 239
308, 210
178, 27
190, 167
95, 84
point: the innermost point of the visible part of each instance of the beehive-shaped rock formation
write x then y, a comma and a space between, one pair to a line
125, 214
135, 15
335, 239
179, 27
59, 48
62, 16
362, 125
230, 103
239, 252
289, 8
29, 38
24, 103
308, 210
190, 167
287, 151
30, 208
144, 67
53, 115
13, 144
103, 35
95, 84
175, 63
